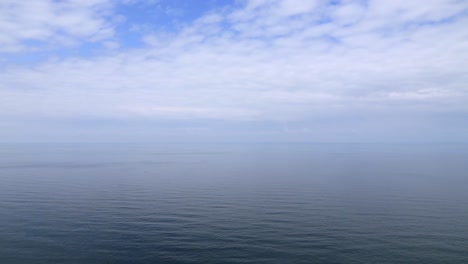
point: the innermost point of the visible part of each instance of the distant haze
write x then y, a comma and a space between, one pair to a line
259, 70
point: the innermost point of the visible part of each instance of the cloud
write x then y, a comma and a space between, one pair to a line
275, 61
52, 22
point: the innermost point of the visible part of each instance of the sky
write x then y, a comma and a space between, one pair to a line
234, 71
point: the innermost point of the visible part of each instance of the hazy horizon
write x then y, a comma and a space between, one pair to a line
233, 131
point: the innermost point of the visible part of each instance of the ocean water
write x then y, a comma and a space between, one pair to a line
227, 203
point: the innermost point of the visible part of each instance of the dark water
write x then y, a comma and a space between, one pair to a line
316, 203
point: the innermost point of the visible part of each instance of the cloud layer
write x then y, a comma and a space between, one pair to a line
50, 22
282, 62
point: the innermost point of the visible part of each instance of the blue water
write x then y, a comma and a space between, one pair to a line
256, 203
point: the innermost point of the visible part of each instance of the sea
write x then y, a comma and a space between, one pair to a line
233, 203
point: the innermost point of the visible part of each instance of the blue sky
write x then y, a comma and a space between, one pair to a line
237, 70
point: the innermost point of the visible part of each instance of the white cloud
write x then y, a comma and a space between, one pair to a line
50, 21
304, 62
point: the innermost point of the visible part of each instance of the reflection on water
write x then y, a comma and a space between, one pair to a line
316, 203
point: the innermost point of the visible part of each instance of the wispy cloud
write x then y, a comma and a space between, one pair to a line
50, 22
265, 60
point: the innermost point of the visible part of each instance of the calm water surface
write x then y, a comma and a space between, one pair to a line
314, 203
